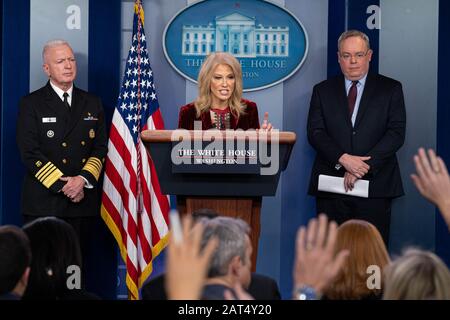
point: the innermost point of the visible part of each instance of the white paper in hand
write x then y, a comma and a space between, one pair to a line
336, 185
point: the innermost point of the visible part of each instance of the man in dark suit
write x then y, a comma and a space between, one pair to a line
356, 123
62, 141
261, 288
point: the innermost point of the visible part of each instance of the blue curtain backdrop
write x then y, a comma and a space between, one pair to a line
15, 84
104, 76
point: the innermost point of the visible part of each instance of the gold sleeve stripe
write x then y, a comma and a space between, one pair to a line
92, 170
43, 169
48, 173
52, 178
97, 162
94, 164
94, 167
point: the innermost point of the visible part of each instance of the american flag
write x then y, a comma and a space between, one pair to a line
133, 206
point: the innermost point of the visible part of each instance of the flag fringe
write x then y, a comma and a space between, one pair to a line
156, 250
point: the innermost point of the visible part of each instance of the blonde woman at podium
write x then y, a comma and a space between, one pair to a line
219, 104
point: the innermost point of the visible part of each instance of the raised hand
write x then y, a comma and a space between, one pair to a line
316, 264
186, 264
432, 180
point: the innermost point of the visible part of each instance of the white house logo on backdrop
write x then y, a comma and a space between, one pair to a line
270, 43
237, 34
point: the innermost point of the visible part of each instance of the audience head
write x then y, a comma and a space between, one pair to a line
15, 260
417, 275
55, 247
366, 248
220, 71
232, 256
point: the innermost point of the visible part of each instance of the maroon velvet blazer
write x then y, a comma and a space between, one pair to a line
246, 121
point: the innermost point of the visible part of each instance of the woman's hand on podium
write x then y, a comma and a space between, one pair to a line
266, 125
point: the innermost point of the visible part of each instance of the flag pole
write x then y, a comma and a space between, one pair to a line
133, 205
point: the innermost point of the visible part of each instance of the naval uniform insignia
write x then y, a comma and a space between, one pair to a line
92, 134
50, 134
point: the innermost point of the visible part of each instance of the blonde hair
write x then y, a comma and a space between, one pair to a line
204, 100
366, 248
417, 275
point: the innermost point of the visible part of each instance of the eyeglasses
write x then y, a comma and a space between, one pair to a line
357, 56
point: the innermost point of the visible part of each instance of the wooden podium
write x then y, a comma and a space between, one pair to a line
232, 189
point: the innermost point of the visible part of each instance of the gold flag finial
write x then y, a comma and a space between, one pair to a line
139, 10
